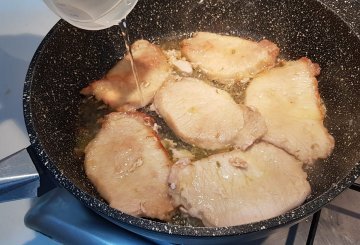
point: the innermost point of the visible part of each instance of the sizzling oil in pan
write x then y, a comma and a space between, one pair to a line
92, 111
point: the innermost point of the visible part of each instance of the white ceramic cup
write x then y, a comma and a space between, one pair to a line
92, 14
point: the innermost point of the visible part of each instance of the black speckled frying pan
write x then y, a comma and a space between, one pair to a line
69, 58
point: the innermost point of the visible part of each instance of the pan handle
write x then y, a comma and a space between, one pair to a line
19, 178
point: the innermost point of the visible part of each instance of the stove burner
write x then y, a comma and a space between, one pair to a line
63, 218
316, 218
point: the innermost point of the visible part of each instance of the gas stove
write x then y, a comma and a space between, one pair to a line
63, 218
58, 216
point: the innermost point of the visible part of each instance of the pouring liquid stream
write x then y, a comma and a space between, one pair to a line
125, 34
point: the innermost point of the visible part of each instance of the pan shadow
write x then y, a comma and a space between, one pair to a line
16, 52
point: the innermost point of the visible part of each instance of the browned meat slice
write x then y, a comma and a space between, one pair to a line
289, 100
118, 88
207, 117
229, 58
129, 167
239, 187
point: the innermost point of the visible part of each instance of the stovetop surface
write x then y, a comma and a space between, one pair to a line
60, 216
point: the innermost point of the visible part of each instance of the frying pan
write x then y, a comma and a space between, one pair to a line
69, 58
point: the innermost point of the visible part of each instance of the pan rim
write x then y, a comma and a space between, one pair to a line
291, 217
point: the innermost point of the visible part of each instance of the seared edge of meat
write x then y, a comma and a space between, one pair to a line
238, 187
288, 98
229, 58
129, 166
118, 88
207, 117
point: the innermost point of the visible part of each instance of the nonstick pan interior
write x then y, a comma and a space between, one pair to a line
69, 58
